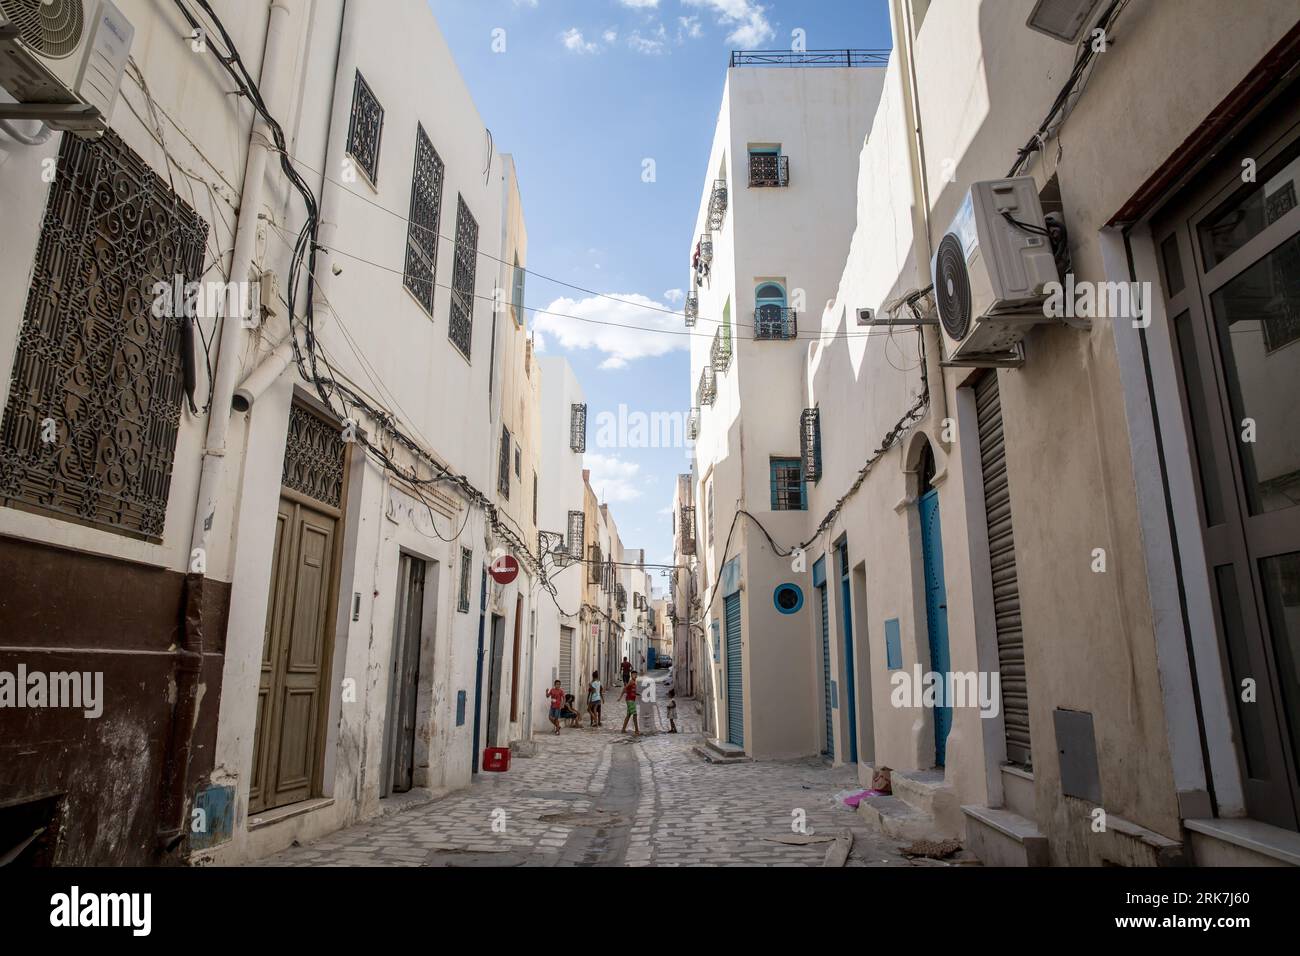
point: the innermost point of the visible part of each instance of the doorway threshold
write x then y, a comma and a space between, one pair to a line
280, 814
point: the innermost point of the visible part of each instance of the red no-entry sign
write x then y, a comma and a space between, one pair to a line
504, 569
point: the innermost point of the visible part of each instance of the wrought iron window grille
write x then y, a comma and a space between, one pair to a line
769, 169
693, 424
576, 530
462, 595
707, 391
94, 368
503, 465
422, 228
578, 427
774, 322
720, 351
692, 310
810, 440
365, 129
460, 325
718, 205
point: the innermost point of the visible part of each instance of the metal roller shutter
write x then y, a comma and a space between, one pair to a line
1002, 560
566, 663
735, 678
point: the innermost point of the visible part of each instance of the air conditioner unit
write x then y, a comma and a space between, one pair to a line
990, 272
68, 55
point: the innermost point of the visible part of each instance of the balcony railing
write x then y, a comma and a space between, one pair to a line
791, 58
720, 353
692, 310
707, 390
693, 424
773, 322
706, 248
718, 205
769, 169
688, 529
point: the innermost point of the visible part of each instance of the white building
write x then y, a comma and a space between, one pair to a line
771, 234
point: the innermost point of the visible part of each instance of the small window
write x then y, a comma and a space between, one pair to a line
810, 438
503, 465
787, 485
518, 463
767, 167
365, 128
462, 596
517, 294
460, 326
578, 427
422, 226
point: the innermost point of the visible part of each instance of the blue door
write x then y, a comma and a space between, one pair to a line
936, 615
735, 676
829, 749
846, 613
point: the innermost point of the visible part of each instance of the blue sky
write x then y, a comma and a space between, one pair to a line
582, 94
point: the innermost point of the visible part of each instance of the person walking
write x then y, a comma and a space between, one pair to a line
630, 695
625, 668
556, 694
593, 699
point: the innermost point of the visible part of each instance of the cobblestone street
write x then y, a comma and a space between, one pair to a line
601, 797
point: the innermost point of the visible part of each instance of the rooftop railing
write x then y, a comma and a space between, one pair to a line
839, 58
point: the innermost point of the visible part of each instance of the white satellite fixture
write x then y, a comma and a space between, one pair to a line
866, 316
62, 60
991, 270
1063, 20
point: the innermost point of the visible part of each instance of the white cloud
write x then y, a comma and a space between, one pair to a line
526, 3
632, 331
748, 20
674, 295
640, 4
612, 479
575, 42
689, 27
610, 35
539, 343
651, 46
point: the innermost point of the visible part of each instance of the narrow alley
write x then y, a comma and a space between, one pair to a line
599, 797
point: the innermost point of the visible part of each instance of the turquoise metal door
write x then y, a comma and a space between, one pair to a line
850, 691
735, 675
936, 616
829, 749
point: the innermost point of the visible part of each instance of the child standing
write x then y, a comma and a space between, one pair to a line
672, 711
556, 694
593, 699
629, 695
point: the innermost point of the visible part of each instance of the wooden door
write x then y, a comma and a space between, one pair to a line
407, 641
293, 689
295, 665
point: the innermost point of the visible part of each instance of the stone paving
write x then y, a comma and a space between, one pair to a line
598, 797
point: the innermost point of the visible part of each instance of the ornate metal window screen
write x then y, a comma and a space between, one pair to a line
708, 387
576, 530
503, 465
692, 310
718, 205
693, 424
620, 597
775, 322
709, 508
461, 325
578, 427
720, 353
313, 457
688, 529
810, 442
94, 369
769, 169
594, 567
365, 128
422, 229
462, 595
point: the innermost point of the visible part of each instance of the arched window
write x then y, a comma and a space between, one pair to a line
770, 314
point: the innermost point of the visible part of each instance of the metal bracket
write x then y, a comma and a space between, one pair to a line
1013, 359
80, 118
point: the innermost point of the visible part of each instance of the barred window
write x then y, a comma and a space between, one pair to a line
787, 485
365, 128
576, 530
94, 405
503, 465
462, 597
594, 566
460, 327
518, 463
517, 294
578, 427
810, 439
422, 229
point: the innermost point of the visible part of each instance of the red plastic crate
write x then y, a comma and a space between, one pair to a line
496, 758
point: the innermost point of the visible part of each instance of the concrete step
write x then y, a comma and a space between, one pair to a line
716, 751
926, 792
1002, 838
896, 819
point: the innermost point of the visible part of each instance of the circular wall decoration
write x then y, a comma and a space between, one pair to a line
788, 598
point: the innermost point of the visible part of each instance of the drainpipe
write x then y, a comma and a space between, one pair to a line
171, 824
903, 27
